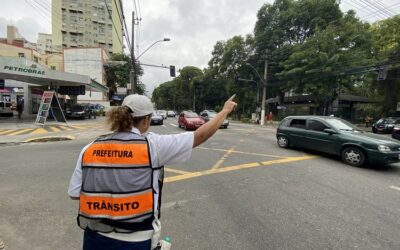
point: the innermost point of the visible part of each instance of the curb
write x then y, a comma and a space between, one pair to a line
49, 139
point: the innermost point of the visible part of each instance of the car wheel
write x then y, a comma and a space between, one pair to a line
353, 156
283, 141
374, 130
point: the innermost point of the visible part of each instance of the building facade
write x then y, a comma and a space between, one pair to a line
88, 61
87, 23
44, 43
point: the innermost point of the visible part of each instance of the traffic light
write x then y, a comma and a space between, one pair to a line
172, 70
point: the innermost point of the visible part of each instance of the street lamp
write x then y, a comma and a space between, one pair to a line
264, 95
133, 75
166, 39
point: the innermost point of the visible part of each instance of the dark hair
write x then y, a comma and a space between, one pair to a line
120, 119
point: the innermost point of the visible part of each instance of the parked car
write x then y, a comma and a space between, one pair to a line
81, 111
189, 120
163, 113
338, 137
385, 125
171, 113
396, 132
100, 109
208, 115
156, 119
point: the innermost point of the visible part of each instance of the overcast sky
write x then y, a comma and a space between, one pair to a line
193, 26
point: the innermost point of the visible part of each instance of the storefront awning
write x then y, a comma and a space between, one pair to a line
38, 75
96, 86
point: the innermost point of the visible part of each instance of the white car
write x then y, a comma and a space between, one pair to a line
163, 113
171, 113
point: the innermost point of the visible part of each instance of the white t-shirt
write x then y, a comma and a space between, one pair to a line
164, 150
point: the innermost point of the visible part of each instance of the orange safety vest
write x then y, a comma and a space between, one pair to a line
117, 191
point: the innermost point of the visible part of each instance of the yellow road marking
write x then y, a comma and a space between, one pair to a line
77, 127
223, 158
241, 152
5, 131
39, 131
176, 171
18, 132
54, 129
65, 128
236, 167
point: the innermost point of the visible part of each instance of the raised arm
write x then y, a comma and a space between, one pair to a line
207, 130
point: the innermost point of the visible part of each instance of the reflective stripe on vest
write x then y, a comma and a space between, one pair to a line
116, 206
117, 184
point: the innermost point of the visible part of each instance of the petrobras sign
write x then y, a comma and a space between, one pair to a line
29, 70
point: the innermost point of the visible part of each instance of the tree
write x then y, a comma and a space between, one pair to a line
117, 75
320, 65
386, 49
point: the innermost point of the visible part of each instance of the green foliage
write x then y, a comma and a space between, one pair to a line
311, 48
117, 75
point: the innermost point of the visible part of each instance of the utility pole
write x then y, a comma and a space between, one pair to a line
133, 75
264, 94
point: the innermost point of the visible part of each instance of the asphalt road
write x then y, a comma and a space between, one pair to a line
239, 191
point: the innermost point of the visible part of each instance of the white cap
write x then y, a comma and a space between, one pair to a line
139, 104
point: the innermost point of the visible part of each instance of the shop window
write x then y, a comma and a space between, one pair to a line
21, 55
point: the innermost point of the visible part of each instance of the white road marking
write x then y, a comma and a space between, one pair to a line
173, 125
395, 188
163, 126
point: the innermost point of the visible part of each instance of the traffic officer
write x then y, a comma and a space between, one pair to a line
118, 178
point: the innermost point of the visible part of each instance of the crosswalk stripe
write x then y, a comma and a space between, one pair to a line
65, 128
21, 131
39, 131
54, 129
6, 131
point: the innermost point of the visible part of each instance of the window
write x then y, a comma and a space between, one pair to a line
298, 123
36, 59
316, 125
21, 54
53, 67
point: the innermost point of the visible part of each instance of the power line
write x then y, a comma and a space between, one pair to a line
39, 11
381, 7
393, 6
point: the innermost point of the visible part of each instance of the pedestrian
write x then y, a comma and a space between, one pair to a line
270, 117
367, 120
118, 178
20, 107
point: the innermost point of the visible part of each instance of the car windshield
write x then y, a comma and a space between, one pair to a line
342, 125
191, 115
212, 115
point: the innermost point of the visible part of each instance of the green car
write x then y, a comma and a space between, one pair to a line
338, 137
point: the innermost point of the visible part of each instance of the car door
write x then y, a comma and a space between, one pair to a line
319, 140
295, 132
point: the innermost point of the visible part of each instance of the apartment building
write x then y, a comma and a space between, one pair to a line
87, 23
44, 43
